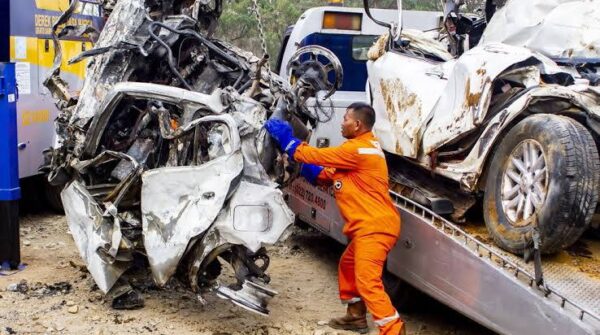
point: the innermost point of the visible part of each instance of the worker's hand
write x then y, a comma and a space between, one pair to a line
311, 172
281, 131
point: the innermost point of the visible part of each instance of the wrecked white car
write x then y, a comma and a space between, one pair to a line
163, 156
507, 107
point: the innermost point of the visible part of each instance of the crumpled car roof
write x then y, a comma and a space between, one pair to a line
555, 28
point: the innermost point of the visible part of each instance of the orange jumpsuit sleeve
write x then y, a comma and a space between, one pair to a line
343, 157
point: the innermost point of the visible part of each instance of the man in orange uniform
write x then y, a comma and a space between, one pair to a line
359, 175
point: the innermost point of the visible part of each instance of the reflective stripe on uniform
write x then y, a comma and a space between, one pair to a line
363, 194
352, 300
384, 321
370, 151
292, 142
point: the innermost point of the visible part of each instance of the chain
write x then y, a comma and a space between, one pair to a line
261, 28
263, 41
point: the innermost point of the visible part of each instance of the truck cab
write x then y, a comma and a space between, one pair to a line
348, 33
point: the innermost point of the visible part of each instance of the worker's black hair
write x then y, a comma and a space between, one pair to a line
363, 112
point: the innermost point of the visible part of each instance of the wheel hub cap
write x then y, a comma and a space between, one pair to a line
524, 182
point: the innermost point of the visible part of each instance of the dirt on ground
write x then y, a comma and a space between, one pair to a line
583, 256
55, 294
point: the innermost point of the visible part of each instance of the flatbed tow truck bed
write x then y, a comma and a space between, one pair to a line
461, 267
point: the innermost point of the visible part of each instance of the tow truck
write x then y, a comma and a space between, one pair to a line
457, 264
28, 44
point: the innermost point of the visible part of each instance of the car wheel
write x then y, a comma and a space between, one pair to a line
545, 167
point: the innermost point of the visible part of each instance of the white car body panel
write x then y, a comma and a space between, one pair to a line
556, 28
423, 106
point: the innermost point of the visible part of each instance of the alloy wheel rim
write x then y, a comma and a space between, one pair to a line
524, 182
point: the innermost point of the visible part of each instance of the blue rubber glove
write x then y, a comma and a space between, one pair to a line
310, 172
281, 131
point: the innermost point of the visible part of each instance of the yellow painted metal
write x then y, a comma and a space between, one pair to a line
40, 52
54, 5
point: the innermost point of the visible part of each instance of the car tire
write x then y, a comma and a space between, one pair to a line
571, 177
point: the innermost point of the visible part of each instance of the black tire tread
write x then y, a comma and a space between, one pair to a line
578, 201
582, 157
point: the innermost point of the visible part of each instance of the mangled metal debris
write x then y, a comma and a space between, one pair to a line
555, 28
501, 119
163, 156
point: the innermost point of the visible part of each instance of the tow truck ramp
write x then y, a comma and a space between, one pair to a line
493, 287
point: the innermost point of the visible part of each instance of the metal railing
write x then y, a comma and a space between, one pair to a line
483, 250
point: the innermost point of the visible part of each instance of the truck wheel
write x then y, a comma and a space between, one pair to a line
405, 298
547, 167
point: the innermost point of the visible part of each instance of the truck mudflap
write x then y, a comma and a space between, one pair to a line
458, 267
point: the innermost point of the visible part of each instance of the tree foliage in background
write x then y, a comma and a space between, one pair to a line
239, 26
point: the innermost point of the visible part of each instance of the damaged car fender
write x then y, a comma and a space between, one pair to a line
566, 100
92, 232
180, 203
257, 216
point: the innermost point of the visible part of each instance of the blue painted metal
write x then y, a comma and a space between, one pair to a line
9, 165
355, 71
10, 192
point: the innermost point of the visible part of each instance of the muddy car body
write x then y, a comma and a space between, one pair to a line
511, 111
163, 157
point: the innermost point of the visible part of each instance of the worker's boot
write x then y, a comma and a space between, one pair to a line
354, 320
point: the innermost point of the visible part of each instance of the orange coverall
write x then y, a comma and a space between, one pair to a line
359, 174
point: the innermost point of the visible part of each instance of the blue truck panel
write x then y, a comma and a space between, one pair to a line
10, 253
9, 166
355, 71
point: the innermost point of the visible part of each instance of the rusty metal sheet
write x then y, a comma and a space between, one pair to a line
404, 93
468, 171
465, 100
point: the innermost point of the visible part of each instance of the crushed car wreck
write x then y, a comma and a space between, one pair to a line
508, 114
163, 155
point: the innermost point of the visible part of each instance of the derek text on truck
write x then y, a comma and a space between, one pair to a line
30, 47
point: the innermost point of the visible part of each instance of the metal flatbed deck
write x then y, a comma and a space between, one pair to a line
476, 278
491, 286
